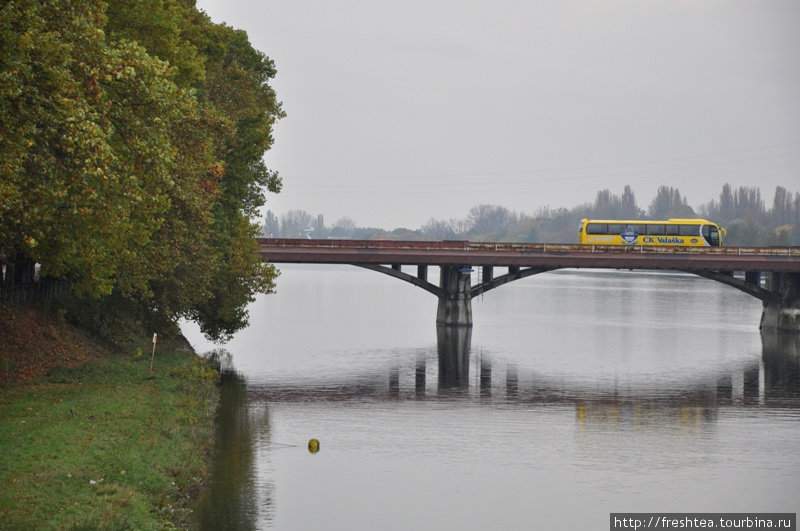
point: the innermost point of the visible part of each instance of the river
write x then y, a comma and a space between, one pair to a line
574, 395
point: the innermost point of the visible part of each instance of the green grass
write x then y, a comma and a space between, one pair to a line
107, 445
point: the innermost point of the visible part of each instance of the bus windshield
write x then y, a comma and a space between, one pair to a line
711, 234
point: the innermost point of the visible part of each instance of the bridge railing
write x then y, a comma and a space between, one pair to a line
365, 244
550, 248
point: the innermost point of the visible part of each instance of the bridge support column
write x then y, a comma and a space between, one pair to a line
783, 311
455, 304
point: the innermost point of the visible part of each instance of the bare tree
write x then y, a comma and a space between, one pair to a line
491, 219
436, 229
294, 224
343, 228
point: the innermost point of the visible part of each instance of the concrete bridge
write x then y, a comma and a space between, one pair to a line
771, 274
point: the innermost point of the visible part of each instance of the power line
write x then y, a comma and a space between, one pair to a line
459, 177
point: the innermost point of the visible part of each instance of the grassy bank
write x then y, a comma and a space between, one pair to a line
89, 439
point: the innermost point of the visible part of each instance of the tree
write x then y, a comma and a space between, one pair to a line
611, 206
669, 203
86, 157
748, 204
296, 224
438, 230
272, 225
343, 228
131, 154
491, 220
525, 231
236, 87
628, 208
561, 225
604, 205
781, 207
727, 210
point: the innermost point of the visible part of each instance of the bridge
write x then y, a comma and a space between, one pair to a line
771, 274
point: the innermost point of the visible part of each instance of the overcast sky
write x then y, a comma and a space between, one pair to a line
398, 112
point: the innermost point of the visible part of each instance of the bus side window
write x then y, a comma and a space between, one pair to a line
655, 229
596, 228
616, 228
689, 230
672, 230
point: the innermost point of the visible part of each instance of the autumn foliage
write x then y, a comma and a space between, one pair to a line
131, 147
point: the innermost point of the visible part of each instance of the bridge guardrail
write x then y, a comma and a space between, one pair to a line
554, 248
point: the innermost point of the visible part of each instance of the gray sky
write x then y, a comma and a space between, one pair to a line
398, 112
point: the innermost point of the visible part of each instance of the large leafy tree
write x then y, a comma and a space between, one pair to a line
86, 157
237, 85
131, 154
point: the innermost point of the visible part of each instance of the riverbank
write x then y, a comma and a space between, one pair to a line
89, 438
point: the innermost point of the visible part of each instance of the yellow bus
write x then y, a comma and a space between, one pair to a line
672, 232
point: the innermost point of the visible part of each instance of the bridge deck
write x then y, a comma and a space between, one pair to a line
776, 259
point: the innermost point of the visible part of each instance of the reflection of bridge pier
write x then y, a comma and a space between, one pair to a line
775, 376
781, 364
419, 375
486, 376
453, 348
751, 383
512, 381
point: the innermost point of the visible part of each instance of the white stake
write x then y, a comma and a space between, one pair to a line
153, 356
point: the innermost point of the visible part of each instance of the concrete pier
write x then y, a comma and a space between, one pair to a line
455, 301
782, 311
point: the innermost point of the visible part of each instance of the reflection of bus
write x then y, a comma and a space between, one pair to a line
673, 232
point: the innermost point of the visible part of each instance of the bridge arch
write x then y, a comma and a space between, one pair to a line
455, 292
513, 274
477, 289
751, 286
420, 280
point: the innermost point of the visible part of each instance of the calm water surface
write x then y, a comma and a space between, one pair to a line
574, 395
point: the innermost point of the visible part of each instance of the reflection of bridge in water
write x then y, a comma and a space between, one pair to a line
774, 381
679, 416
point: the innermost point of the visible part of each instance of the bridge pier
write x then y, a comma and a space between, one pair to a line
782, 312
455, 300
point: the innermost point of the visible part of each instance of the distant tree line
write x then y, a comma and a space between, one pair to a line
749, 222
742, 212
131, 148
